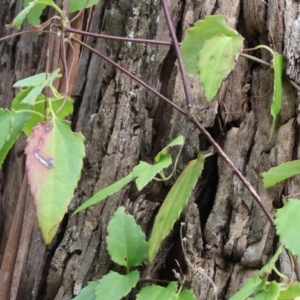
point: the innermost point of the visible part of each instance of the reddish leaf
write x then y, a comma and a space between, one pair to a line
54, 162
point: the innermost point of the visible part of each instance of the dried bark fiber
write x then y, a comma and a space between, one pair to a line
123, 124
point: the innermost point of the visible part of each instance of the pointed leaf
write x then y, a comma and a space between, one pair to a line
196, 36
287, 223
145, 172
291, 292
88, 292
217, 59
268, 268
75, 5
115, 286
31, 81
279, 66
186, 295
17, 122
19, 19
103, 194
174, 203
54, 161
33, 16
254, 284
281, 172
176, 142
157, 292
126, 242
38, 88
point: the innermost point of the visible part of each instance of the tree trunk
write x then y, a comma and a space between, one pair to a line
229, 236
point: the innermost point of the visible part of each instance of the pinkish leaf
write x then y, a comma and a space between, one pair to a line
53, 162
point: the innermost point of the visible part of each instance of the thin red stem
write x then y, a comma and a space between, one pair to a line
112, 37
132, 76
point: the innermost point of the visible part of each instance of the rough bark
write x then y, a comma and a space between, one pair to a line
229, 237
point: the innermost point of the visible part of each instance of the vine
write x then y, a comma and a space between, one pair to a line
210, 49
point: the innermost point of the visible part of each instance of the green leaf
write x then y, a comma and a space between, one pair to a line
279, 66
34, 80
145, 172
267, 269
33, 16
196, 36
54, 158
287, 223
39, 107
281, 172
103, 194
217, 59
126, 242
253, 284
88, 292
115, 286
174, 203
156, 292
291, 292
75, 5
6, 117
271, 293
37, 88
19, 19
17, 122
186, 295
176, 142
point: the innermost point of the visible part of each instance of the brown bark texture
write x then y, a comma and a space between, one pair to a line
228, 236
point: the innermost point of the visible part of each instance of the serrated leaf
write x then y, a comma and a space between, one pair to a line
287, 223
54, 156
174, 203
270, 293
281, 172
217, 59
145, 172
176, 142
103, 194
253, 284
157, 292
196, 36
75, 5
115, 286
88, 292
186, 295
291, 292
33, 16
126, 242
37, 88
17, 122
278, 64
268, 268
19, 19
